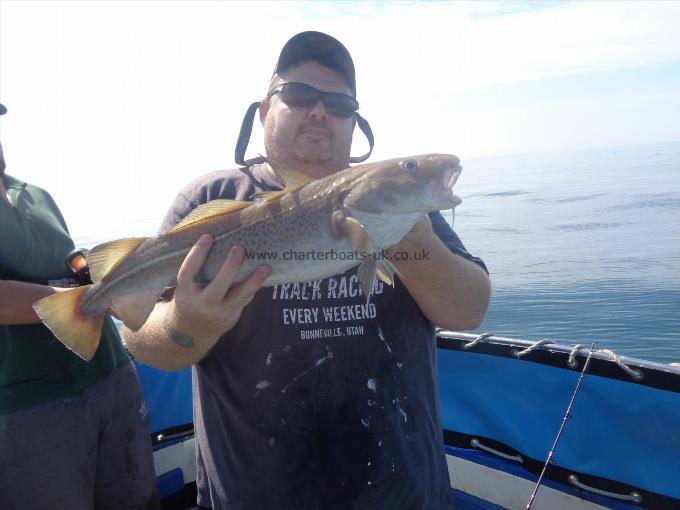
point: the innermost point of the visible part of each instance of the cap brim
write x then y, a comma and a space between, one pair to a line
320, 47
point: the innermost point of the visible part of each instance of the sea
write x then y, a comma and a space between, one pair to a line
580, 246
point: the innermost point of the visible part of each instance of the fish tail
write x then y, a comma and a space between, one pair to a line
59, 312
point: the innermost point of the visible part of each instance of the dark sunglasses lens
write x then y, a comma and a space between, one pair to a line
340, 106
299, 94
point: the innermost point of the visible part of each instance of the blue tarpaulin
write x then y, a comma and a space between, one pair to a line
618, 430
168, 396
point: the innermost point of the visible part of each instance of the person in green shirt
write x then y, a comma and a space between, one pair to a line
73, 434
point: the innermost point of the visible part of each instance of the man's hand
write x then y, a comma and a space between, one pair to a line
204, 313
181, 332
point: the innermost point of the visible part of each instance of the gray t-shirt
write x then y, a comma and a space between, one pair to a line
316, 399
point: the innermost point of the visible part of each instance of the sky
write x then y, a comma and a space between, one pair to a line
114, 106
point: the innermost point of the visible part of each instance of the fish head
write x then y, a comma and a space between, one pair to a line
417, 184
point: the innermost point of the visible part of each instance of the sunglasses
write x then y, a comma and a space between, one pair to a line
298, 95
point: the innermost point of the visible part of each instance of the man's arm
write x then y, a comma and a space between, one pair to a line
17, 298
181, 332
451, 291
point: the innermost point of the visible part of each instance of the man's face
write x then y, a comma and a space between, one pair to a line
308, 138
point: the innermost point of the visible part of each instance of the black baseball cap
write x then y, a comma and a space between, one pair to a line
3, 110
321, 47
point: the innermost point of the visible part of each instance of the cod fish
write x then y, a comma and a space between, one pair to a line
355, 213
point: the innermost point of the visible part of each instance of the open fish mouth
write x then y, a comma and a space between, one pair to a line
450, 175
442, 184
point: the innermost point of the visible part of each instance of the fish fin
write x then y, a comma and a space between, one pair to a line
366, 274
135, 309
103, 258
292, 179
268, 195
338, 223
344, 226
212, 209
386, 271
355, 232
59, 312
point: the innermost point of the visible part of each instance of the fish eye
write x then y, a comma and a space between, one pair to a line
409, 165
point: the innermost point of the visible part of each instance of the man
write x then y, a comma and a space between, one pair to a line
304, 396
74, 435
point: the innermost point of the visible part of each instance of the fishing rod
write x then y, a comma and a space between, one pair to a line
564, 422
